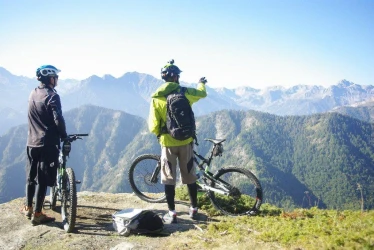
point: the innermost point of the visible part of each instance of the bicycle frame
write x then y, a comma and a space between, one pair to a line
61, 169
65, 188
232, 190
61, 174
224, 187
65, 151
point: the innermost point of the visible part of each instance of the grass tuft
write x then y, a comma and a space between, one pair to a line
300, 228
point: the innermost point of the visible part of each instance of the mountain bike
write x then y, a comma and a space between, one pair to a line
232, 191
65, 189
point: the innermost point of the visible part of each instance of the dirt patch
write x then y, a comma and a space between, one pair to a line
94, 229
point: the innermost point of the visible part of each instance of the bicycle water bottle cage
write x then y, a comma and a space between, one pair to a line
66, 148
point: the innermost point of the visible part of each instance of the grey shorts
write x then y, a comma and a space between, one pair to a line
179, 155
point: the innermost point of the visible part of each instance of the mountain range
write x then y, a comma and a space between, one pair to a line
301, 161
309, 145
131, 93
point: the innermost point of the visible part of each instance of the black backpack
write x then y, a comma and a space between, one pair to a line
149, 222
180, 119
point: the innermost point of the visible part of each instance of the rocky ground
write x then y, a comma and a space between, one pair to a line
94, 229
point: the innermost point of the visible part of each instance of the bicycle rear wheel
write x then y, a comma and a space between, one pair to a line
140, 177
69, 201
245, 192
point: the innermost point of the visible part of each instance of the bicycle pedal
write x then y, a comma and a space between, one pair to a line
77, 182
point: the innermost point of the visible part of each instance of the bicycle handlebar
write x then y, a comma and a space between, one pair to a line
72, 135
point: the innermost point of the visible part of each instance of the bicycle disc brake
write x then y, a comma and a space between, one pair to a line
148, 179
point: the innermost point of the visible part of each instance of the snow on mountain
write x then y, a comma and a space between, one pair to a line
131, 93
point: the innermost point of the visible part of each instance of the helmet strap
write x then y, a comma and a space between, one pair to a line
54, 84
44, 80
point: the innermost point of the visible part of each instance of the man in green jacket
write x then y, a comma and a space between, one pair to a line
173, 150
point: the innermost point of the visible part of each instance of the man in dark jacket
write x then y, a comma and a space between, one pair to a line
46, 126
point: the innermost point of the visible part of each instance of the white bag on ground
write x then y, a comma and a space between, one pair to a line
135, 220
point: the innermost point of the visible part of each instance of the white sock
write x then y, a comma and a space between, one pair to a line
172, 212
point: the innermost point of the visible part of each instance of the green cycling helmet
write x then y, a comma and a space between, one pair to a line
170, 70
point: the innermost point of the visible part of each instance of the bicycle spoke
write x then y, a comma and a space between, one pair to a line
140, 174
245, 192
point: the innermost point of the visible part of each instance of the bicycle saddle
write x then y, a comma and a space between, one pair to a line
215, 141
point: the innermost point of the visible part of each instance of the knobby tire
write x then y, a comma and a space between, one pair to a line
69, 201
53, 198
246, 197
140, 173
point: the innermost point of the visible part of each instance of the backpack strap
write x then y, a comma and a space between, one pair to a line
163, 128
183, 91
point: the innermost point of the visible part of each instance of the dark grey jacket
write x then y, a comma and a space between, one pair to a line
46, 123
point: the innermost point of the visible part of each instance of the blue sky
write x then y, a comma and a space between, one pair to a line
231, 42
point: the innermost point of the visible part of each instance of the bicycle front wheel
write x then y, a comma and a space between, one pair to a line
144, 177
53, 198
245, 192
69, 201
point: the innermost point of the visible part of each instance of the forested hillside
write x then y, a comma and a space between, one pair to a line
364, 111
301, 161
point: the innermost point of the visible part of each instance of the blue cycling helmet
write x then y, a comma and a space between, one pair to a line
170, 70
47, 70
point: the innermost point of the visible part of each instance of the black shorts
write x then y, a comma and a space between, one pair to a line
42, 165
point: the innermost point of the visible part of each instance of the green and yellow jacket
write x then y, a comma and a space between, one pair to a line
157, 113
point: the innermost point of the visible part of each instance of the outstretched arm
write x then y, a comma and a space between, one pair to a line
194, 95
